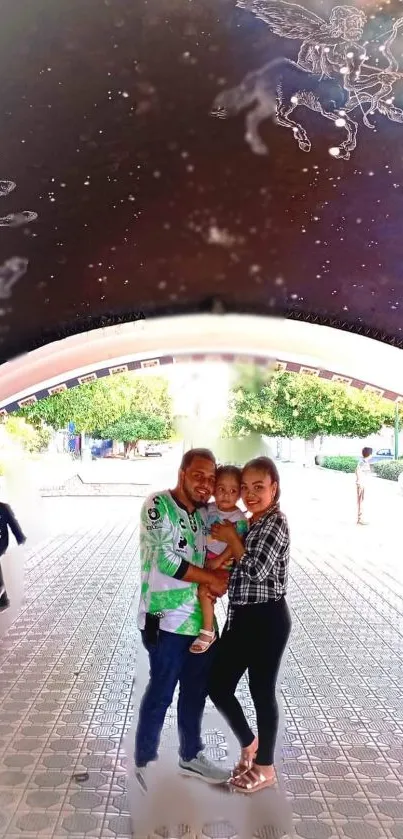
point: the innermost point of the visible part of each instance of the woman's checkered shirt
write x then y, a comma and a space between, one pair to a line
262, 572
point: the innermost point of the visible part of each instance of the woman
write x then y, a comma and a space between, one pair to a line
258, 624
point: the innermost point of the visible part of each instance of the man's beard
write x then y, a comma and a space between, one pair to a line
196, 502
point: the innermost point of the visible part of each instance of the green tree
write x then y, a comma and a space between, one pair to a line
305, 406
30, 438
132, 427
95, 405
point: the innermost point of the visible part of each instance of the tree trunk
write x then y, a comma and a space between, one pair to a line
309, 459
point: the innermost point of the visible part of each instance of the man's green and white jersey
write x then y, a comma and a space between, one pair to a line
170, 537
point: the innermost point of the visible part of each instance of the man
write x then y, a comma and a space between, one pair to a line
173, 549
362, 474
7, 521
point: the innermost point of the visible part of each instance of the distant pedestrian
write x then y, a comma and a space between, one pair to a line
7, 520
362, 476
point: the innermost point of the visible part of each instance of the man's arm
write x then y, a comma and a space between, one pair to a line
217, 581
221, 559
157, 539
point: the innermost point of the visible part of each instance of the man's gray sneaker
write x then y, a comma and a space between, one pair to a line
204, 769
142, 775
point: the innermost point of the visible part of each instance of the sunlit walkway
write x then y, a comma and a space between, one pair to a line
69, 660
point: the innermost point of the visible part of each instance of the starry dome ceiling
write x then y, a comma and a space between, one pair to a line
195, 155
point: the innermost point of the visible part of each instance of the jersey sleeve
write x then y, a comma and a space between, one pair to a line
157, 538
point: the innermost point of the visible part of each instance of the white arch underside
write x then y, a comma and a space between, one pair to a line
318, 347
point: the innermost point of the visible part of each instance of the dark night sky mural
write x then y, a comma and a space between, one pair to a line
179, 155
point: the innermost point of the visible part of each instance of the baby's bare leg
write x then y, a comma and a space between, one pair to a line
207, 634
207, 607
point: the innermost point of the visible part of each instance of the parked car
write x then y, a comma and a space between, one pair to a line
382, 454
152, 450
101, 448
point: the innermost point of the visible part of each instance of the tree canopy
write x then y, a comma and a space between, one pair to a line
28, 437
99, 406
293, 405
136, 426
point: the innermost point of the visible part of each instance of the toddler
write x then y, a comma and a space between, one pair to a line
224, 508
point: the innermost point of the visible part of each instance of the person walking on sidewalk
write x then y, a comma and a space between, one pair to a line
362, 476
173, 539
7, 521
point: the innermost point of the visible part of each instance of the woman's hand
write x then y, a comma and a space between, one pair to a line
224, 532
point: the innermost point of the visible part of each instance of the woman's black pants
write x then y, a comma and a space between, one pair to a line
255, 642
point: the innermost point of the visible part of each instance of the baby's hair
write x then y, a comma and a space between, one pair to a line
230, 471
366, 452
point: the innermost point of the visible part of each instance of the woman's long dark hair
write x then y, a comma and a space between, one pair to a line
267, 467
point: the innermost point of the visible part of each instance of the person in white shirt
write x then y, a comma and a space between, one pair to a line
362, 475
227, 493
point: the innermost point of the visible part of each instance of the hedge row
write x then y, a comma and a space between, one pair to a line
340, 463
389, 469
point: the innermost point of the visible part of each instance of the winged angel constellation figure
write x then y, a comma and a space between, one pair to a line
331, 75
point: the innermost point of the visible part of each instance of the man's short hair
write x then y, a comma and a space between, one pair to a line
367, 451
190, 455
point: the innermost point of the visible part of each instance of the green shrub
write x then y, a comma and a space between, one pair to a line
340, 463
388, 469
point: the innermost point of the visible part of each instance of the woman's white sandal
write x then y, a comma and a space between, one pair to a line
252, 781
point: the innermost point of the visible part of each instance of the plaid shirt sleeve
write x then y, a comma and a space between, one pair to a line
265, 547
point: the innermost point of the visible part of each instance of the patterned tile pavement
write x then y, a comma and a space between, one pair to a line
69, 660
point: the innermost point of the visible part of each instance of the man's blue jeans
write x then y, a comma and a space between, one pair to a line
172, 663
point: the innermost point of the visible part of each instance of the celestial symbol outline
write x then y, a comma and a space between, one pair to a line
330, 76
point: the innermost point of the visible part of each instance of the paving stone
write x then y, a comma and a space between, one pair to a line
384, 789
300, 787
393, 809
58, 761
12, 779
44, 800
332, 769
85, 800
343, 745
362, 830
342, 788
34, 822
120, 825
50, 780
308, 807
19, 761
81, 823
313, 829
355, 809
218, 830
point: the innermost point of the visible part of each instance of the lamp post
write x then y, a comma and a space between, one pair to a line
397, 430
